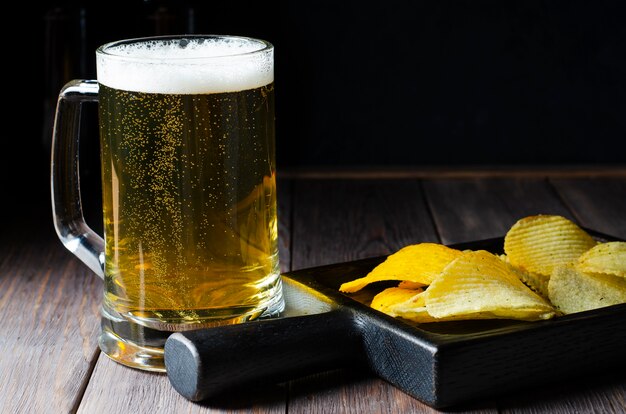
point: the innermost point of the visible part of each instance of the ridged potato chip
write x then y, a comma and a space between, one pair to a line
418, 263
548, 262
540, 243
478, 285
538, 283
574, 291
392, 296
608, 258
413, 309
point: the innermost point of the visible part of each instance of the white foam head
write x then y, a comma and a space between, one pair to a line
186, 65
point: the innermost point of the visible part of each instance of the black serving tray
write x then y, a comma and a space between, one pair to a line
441, 364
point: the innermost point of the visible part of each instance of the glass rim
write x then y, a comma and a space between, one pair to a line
104, 50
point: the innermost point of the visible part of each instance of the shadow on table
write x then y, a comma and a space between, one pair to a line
330, 391
305, 388
360, 390
587, 393
267, 397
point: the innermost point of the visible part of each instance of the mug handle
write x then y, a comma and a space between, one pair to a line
67, 211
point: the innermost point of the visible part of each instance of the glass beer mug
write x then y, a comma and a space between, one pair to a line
189, 188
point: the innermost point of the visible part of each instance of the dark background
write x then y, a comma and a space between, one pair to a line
359, 84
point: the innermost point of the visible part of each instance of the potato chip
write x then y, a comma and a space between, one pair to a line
405, 284
392, 296
574, 291
413, 309
540, 243
536, 282
547, 258
418, 263
478, 285
608, 258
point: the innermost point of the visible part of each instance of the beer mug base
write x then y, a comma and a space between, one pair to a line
129, 353
130, 342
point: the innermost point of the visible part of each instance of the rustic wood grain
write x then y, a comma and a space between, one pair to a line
114, 388
597, 203
356, 392
456, 172
48, 331
581, 396
344, 220
475, 208
350, 392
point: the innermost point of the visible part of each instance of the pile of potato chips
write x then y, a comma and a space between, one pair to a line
550, 266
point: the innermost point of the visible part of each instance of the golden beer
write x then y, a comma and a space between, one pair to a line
189, 191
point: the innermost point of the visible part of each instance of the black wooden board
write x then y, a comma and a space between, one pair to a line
441, 364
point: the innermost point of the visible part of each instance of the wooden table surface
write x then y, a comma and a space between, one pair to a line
49, 301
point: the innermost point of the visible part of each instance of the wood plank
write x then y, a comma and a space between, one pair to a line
115, 388
491, 206
345, 220
597, 203
356, 392
49, 330
457, 172
474, 208
602, 394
